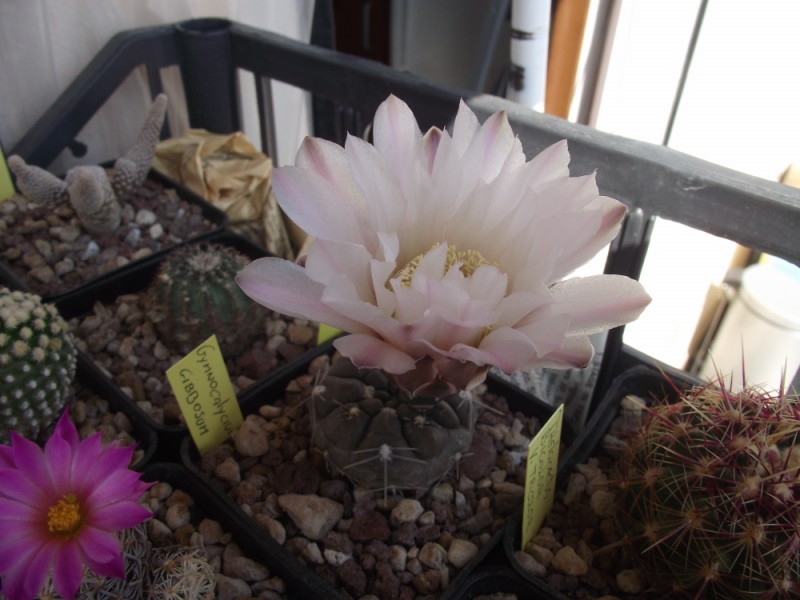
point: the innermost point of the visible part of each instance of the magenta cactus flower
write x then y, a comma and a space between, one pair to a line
446, 253
60, 508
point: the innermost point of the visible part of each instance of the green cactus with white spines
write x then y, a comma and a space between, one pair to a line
710, 491
194, 295
37, 363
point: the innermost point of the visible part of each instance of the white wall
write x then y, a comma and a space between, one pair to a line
44, 44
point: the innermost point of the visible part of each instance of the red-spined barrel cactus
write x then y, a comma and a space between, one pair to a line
380, 436
194, 295
710, 489
37, 363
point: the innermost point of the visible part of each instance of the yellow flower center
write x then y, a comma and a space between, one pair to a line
470, 261
64, 517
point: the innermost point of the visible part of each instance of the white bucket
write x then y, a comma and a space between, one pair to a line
761, 328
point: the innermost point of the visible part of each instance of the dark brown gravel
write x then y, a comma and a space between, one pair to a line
45, 247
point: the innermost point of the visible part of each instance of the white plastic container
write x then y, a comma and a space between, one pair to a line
763, 321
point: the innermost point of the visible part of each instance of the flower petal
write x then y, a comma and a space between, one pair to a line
367, 351
102, 552
285, 287
311, 202
615, 300
119, 516
68, 570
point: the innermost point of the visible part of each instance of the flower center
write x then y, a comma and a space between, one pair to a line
470, 261
64, 517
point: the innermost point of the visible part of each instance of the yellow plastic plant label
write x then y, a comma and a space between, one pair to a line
205, 395
6, 187
326, 332
540, 476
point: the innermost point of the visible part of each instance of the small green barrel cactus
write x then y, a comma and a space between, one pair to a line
710, 490
37, 363
194, 295
380, 436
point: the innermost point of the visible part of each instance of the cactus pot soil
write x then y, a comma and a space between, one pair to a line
387, 543
580, 551
112, 329
186, 519
96, 406
44, 249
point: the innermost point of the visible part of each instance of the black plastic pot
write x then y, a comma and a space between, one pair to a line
495, 579
268, 392
254, 541
17, 279
135, 280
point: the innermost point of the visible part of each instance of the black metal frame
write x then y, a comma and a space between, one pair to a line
654, 181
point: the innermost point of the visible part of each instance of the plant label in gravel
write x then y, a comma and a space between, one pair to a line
540, 475
205, 395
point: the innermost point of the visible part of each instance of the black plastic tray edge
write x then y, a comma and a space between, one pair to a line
268, 390
90, 376
495, 579
217, 217
628, 382
257, 544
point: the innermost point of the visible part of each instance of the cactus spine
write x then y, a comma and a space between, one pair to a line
37, 363
194, 295
711, 485
180, 572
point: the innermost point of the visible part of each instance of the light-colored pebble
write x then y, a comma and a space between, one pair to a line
461, 552
407, 510
314, 515
568, 562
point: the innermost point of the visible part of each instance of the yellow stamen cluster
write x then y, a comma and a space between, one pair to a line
468, 261
64, 517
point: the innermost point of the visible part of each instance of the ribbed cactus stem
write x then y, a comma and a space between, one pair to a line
194, 295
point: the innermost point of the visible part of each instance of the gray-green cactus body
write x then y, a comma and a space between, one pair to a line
37, 363
194, 295
380, 436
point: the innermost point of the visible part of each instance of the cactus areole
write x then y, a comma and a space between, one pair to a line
710, 492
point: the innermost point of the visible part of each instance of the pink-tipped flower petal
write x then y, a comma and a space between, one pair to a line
445, 253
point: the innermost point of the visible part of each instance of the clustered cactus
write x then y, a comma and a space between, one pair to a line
710, 489
37, 363
179, 572
194, 295
379, 436
170, 573
94, 196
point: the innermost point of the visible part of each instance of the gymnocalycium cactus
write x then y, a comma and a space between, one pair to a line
37, 363
194, 295
711, 488
378, 435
